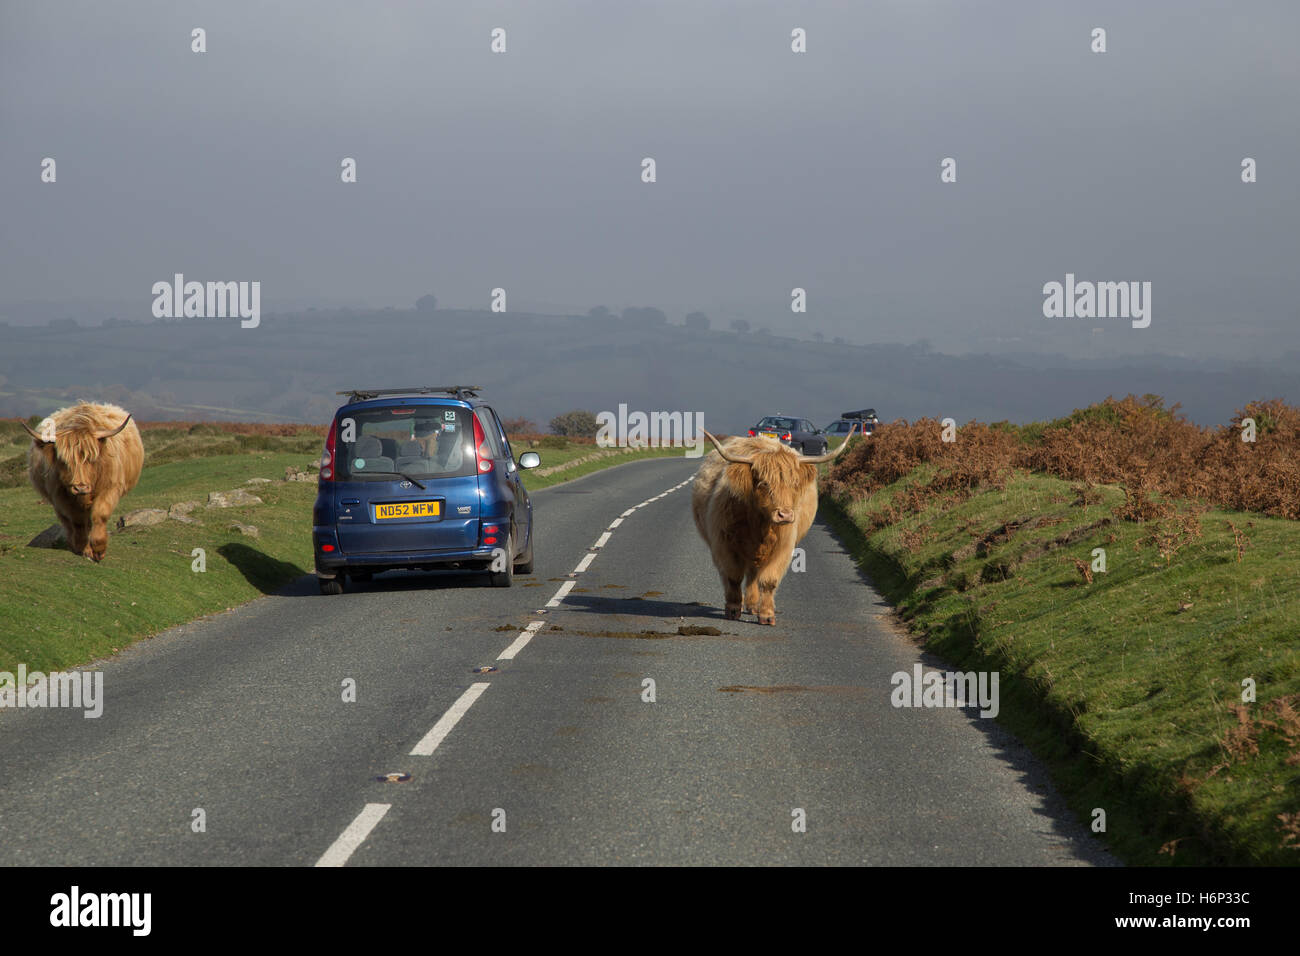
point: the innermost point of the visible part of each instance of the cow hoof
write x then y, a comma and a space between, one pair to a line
733, 614
767, 620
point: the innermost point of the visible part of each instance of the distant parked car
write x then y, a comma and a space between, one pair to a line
840, 427
799, 433
420, 478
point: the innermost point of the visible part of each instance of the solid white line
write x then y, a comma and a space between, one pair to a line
354, 835
521, 641
615, 523
600, 542
565, 588
447, 721
626, 513
586, 560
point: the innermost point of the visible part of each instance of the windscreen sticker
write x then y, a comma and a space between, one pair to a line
449, 427
449, 416
359, 463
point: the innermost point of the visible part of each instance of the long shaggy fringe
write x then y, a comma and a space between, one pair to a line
115, 462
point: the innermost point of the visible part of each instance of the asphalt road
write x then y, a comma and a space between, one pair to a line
559, 759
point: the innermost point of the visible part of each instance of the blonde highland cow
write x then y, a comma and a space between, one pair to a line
753, 500
83, 459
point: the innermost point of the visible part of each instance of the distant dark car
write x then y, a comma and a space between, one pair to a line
420, 478
799, 433
840, 427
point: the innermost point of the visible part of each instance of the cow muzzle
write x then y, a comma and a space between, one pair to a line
782, 517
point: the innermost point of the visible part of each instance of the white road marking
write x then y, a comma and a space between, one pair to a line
521, 641
586, 560
600, 542
615, 523
442, 728
626, 513
354, 835
565, 588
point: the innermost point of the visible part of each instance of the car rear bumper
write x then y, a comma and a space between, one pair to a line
329, 564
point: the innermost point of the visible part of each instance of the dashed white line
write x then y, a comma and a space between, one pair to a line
351, 838
448, 720
521, 641
341, 850
565, 588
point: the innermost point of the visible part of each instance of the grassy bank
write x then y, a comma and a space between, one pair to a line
1129, 685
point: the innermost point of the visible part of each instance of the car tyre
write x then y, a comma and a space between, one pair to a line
503, 579
526, 566
331, 585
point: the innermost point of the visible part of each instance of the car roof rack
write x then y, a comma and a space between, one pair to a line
463, 392
864, 413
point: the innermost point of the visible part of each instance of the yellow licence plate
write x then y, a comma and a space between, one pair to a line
769, 434
409, 509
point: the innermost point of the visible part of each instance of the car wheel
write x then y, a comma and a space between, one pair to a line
526, 566
331, 585
503, 579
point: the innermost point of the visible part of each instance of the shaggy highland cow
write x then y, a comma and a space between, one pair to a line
753, 500
83, 459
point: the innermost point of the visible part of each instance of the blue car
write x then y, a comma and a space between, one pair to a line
420, 478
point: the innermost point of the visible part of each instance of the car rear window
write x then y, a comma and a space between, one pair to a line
419, 441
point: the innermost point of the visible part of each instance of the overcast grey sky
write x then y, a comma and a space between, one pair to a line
775, 169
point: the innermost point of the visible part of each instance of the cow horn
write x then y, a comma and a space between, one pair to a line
829, 456
35, 436
732, 458
103, 435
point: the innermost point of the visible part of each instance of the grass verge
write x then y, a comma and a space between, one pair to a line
1129, 686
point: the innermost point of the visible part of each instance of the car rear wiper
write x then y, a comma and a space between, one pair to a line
400, 474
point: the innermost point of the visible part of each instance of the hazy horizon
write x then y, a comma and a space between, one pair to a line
775, 169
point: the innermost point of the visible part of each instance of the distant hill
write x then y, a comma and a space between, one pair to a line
536, 366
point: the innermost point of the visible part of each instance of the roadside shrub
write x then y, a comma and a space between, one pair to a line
1151, 451
576, 423
519, 426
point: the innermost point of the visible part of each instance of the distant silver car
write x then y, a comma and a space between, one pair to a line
798, 433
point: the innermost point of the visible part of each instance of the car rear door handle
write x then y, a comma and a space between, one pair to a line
350, 501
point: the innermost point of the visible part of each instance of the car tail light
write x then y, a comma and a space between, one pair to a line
481, 450
751, 433
785, 437
327, 456
327, 547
